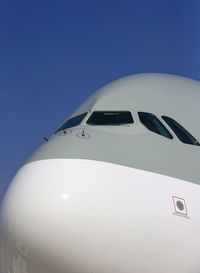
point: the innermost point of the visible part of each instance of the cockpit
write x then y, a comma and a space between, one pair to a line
164, 126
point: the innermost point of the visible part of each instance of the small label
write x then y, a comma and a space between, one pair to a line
180, 205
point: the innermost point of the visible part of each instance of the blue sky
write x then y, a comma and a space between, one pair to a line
53, 54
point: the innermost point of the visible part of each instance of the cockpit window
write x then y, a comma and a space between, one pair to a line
72, 122
110, 118
180, 131
151, 122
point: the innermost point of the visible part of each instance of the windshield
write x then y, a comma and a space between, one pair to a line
72, 122
110, 118
180, 131
152, 123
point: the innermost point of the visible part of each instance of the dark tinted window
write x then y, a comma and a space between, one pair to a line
110, 118
72, 122
180, 131
151, 122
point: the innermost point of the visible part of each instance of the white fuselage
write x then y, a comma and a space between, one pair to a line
116, 188
87, 216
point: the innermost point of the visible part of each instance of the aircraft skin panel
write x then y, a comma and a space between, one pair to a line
133, 146
100, 217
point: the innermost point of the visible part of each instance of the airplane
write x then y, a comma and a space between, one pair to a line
115, 189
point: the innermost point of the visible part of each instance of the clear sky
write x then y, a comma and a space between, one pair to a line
53, 54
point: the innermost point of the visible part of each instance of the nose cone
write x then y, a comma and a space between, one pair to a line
63, 209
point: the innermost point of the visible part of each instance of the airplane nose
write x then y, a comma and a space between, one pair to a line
85, 216
62, 209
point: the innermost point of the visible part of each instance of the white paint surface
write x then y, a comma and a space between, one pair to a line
96, 217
